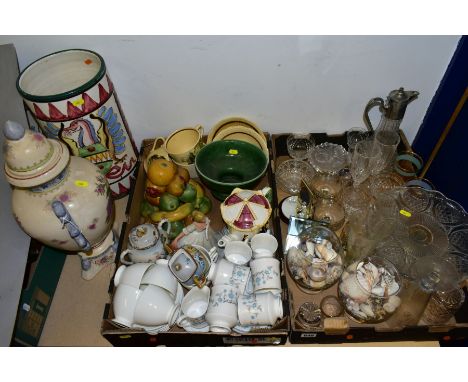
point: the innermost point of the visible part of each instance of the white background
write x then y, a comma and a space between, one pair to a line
283, 83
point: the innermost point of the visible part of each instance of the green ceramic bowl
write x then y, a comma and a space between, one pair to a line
226, 164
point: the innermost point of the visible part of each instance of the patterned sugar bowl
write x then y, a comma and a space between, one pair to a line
70, 96
191, 265
61, 200
246, 212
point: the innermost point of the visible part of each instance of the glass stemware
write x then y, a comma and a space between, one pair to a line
299, 145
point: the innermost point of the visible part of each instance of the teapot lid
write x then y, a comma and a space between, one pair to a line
182, 264
30, 158
143, 236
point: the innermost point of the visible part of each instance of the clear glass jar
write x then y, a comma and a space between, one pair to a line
369, 290
316, 262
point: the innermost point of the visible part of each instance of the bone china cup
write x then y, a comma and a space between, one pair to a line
124, 303
193, 307
155, 307
238, 252
222, 309
160, 275
226, 273
266, 275
131, 275
260, 309
263, 245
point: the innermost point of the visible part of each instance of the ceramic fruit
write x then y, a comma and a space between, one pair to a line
146, 209
179, 213
168, 202
228, 164
62, 201
161, 172
177, 186
72, 98
183, 173
153, 192
189, 194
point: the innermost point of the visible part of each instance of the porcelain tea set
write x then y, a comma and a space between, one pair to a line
242, 289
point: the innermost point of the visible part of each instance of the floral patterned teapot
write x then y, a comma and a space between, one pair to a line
246, 212
191, 265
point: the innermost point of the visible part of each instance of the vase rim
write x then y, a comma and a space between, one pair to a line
67, 94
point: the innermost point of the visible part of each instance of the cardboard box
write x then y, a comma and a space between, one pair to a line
349, 330
176, 336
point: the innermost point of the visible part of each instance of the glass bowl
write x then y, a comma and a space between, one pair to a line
315, 263
369, 290
330, 212
299, 145
329, 158
289, 174
326, 185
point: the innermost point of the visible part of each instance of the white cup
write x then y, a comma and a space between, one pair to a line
194, 306
160, 275
238, 252
124, 303
266, 275
131, 275
222, 309
226, 273
263, 245
259, 309
232, 236
155, 307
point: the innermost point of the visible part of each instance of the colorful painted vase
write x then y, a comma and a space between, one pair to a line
61, 200
72, 98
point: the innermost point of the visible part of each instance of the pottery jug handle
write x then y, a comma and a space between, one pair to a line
162, 231
154, 152
199, 128
122, 258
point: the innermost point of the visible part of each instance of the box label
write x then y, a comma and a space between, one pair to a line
252, 340
308, 335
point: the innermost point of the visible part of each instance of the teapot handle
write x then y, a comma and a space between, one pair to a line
372, 103
162, 231
122, 258
213, 254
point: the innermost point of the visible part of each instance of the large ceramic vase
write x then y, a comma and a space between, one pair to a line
71, 97
61, 200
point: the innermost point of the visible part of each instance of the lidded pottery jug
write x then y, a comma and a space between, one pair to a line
61, 200
246, 211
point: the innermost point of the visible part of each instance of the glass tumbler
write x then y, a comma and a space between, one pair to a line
299, 145
365, 155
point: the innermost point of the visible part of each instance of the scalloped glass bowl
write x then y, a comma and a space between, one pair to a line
289, 173
329, 158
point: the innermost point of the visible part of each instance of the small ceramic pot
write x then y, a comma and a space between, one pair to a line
191, 265
146, 243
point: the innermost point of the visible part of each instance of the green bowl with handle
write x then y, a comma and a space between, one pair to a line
226, 164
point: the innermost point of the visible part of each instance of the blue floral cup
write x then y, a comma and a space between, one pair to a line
222, 309
266, 275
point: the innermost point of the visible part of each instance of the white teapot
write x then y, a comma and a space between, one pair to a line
146, 243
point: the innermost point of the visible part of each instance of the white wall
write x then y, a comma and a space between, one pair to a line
283, 83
